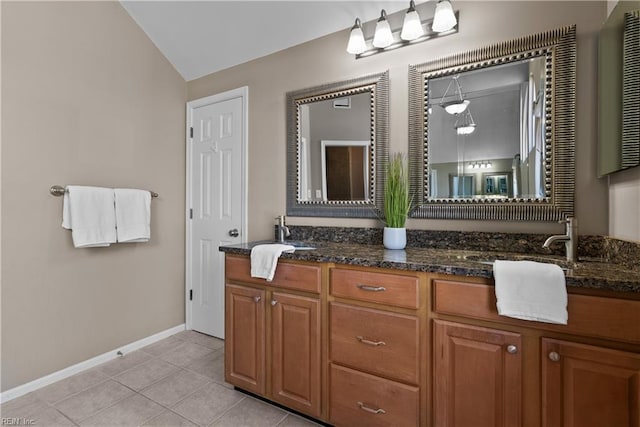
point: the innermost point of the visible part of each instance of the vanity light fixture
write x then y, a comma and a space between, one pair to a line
383, 37
356, 43
444, 19
455, 106
412, 26
413, 31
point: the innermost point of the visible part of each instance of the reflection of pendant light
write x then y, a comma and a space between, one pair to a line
411, 27
444, 19
456, 106
382, 37
356, 43
468, 126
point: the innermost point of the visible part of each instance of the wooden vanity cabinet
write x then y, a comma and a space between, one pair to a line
377, 362
477, 374
272, 345
490, 370
585, 385
245, 338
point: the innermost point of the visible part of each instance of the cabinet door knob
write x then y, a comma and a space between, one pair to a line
512, 349
274, 301
370, 288
234, 232
554, 356
371, 410
369, 342
257, 299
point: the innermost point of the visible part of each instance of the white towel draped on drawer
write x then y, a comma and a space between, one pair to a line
531, 291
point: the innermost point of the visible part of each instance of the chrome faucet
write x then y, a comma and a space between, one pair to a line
282, 229
570, 239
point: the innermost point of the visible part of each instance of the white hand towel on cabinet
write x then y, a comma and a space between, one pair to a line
531, 291
264, 259
90, 215
133, 215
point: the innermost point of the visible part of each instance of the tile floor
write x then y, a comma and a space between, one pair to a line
178, 381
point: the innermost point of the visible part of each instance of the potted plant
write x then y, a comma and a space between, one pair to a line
396, 203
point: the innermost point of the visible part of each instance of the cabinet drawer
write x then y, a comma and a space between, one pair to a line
379, 342
392, 289
602, 317
302, 277
359, 399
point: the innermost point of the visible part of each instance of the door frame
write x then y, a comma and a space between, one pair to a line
243, 94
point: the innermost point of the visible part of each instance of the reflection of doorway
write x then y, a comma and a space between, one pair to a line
344, 170
461, 185
497, 184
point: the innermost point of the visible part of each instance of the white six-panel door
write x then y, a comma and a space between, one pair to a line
217, 213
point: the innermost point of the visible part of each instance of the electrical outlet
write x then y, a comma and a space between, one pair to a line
318, 194
308, 193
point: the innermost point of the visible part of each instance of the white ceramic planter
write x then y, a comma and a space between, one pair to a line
394, 238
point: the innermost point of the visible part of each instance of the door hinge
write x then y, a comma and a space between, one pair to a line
191, 213
191, 132
190, 294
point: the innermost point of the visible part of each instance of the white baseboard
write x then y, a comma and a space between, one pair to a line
87, 364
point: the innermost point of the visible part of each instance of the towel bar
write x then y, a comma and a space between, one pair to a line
58, 190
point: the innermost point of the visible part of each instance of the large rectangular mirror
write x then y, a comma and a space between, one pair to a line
337, 145
492, 131
619, 89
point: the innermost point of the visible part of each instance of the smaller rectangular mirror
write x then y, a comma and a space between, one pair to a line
337, 145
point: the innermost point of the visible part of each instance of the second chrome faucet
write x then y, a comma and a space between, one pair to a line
570, 239
281, 229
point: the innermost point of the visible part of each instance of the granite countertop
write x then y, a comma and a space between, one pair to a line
586, 273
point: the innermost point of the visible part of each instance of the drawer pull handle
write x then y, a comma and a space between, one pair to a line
369, 342
371, 410
370, 288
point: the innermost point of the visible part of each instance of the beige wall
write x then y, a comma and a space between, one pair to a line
324, 60
86, 99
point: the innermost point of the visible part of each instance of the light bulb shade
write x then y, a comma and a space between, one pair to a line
411, 27
356, 43
444, 19
466, 130
455, 107
382, 37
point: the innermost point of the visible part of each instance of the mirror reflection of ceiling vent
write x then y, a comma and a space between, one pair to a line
344, 102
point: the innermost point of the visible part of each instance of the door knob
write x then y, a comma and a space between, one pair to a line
234, 232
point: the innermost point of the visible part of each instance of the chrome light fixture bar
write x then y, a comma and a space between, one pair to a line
413, 31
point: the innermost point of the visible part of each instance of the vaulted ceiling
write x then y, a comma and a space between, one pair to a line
202, 37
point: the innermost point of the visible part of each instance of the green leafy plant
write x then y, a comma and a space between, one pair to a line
397, 202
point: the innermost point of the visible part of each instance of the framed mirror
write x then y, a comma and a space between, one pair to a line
619, 89
337, 146
492, 131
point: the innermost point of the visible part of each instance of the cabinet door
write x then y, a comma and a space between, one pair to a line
295, 346
477, 375
245, 338
584, 385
